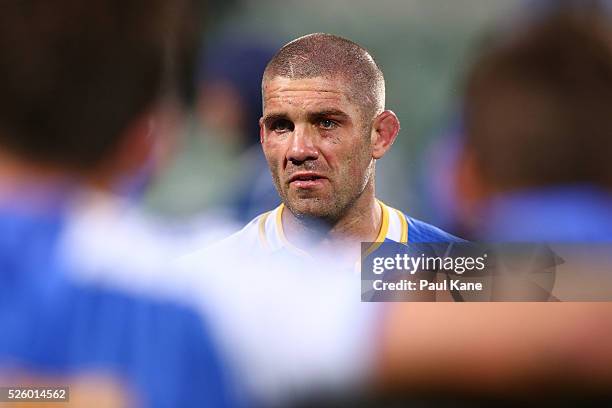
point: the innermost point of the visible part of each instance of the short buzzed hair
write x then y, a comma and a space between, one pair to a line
331, 56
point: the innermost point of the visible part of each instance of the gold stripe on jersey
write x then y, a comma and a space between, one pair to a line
404, 236
272, 235
382, 233
262, 229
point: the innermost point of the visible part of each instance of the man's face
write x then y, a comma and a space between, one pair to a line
317, 144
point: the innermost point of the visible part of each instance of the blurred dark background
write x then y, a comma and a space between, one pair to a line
423, 48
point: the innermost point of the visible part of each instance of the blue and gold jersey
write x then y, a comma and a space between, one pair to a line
291, 321
395, 227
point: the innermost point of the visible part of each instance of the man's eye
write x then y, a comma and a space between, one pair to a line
327, 124
282, 125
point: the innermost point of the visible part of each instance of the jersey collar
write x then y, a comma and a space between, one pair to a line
393, 227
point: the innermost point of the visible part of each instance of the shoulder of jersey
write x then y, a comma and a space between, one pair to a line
262, 236
240, 243
422, 232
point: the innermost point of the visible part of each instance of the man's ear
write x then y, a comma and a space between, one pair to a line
385, 128
261, 130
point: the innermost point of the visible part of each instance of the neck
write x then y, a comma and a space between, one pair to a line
360, 223
38, 185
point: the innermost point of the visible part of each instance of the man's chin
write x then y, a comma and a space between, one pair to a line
314, 208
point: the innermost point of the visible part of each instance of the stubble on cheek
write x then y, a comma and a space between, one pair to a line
273, 165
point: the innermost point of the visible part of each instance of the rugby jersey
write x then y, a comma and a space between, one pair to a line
290, 323
395, 227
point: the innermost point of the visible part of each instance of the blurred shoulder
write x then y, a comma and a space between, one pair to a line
422, 232
243, 243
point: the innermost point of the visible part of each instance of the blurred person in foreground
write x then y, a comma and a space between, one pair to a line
539, 135
535, 167
287, 286
86, 88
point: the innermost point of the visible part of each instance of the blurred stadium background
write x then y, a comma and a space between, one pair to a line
423, 48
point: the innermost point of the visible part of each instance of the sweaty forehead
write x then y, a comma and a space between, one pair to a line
281, 92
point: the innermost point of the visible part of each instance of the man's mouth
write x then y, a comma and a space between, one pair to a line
306, 180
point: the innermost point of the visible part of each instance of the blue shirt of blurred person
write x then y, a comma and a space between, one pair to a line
52, 325
555, 214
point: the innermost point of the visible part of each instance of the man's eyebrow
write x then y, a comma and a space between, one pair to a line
269, 119
272, 117
328, 112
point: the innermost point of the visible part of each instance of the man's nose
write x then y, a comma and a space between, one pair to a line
302, 146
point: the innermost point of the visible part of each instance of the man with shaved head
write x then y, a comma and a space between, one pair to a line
284, 287
324, 126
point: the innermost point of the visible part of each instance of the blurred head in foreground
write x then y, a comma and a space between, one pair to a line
538, 131
85, 89
534, 166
